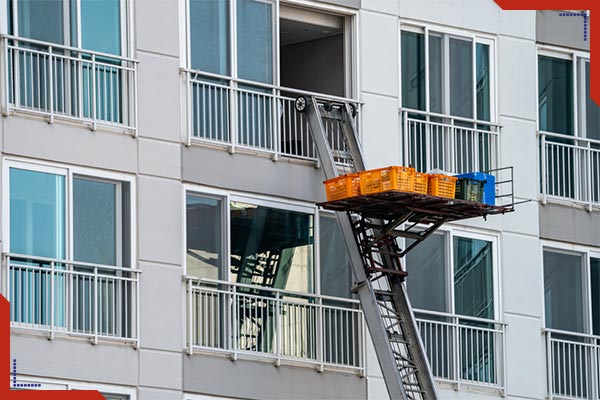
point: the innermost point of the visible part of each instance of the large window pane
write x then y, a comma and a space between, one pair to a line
272, 247
95, 225
41, 20
563, 291
473, 278
595, 278
427, 275
413, 70
204, 234
436, 68
555, 95
592, 111
461, 78
483, 81
336, 271
101, 25
37, 213
255, 40
209, 35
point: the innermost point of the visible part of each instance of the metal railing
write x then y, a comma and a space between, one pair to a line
437, 141
249, 115
573, 365
463, 349
74, 298
62, 82
570, 169
272, 324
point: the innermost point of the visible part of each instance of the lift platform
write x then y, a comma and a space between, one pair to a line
370, 226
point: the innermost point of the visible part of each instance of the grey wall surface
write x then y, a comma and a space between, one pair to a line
570, 224
263, 381
554, 29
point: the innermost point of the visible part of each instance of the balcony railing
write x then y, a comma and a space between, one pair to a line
570, 169
68, 83
277, 325
458, 145
463, 349
573, 364
61, 297
247, 115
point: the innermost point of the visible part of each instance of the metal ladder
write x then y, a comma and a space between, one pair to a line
375, 258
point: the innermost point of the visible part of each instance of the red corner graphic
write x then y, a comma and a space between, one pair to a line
563, 5
6, 393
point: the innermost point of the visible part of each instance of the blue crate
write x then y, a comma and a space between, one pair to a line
489, 187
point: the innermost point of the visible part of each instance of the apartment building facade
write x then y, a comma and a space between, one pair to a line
161, 237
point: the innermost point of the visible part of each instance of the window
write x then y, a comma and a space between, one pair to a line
78, 266
67, 60
452, 288
572, 318
458, 81
447, 100
336, 270
571, 291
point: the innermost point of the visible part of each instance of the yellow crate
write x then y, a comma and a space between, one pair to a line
421, 182
442, 185
342, 187
384, 179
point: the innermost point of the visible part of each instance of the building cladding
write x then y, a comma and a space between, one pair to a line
155, 172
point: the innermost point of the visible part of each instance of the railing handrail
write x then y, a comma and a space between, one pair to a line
319, 96
70, 262
65, 47
268, 289
458, 316
569, 333
569, 137
449, 116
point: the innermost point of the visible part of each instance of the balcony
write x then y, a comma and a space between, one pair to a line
463, 350
59, 297
458, 145
243, 115
66, 83
570, 169
573, 364
274, 325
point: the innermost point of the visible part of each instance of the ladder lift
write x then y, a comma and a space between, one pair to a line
370, 226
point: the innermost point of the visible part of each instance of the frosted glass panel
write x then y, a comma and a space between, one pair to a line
41, 20
427, 276
209, 35
37, 213
473, 278
563, 291
101, 26
95, 221
255, 40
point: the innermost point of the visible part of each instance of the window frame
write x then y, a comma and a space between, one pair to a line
351, 51
586, 253
69, 172
449, 233
578, 59
227, 197
125, 19
446, 33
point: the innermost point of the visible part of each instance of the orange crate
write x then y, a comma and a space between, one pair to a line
421, 181
384, 179
342, 187
442, 185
